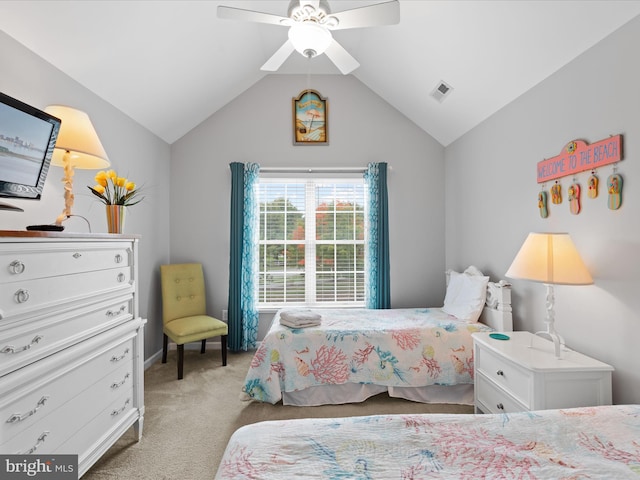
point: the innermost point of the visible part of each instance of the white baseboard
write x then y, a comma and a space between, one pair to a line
215, 345
153, 359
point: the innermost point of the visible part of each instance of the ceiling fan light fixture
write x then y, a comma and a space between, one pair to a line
309, 38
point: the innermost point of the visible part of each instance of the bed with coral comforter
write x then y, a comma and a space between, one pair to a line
578, 443
390, 348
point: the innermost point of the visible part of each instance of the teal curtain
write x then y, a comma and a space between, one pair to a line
242, 310
378, 286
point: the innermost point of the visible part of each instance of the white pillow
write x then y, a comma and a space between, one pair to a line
465, 296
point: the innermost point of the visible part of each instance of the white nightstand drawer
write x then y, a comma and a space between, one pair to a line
43, 260
523, 373
508, 376
494, 399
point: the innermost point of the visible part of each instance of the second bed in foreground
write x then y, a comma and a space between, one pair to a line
579, 443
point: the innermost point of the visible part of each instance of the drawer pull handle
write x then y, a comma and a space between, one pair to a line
500, 372
116, 385
12, 349
115, 413
18, 417
115, 359
111, 313
40, 441
121, 277
118, 258
500, 406
77, 255
16, 267
21, 296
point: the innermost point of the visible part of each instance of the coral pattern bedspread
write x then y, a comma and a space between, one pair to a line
580, 443
396, 347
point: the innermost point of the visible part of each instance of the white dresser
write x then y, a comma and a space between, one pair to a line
71, 343
522, 373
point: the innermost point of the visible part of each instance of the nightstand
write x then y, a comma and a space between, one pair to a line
522, 373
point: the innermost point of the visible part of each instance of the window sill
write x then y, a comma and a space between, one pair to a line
274, 309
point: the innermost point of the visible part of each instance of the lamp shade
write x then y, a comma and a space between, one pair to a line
78, 137
309, 38
550, 258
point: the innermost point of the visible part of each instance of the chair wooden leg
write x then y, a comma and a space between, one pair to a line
180, 361
223, 341
165, 344
204, 344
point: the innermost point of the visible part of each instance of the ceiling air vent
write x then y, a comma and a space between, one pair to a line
441, 91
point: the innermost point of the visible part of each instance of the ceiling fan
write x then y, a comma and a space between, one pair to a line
310, 23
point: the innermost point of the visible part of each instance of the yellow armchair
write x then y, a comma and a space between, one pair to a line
184, 311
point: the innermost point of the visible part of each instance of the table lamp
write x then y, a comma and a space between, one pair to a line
551, 259
78, 146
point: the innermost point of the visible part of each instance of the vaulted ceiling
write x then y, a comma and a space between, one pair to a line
171, 64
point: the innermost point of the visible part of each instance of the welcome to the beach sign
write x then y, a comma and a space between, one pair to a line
577, 157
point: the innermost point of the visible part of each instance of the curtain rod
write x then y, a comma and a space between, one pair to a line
315, 169
312, 169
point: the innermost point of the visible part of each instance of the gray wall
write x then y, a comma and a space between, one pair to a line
133, 151
492, 193
363, 128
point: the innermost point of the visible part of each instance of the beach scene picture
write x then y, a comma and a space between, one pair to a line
24, 141
310, 118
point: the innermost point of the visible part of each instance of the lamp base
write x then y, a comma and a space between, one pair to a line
558, 341
556, 338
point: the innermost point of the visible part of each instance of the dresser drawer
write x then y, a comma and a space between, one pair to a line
68, 420
107, 372
31, 296
494, 399
23, 343
118, 411
28, 262
514, 380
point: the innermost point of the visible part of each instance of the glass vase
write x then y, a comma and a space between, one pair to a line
115, 218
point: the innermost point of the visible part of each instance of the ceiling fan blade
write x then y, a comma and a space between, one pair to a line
387, 13
342, 59
278, 58
232, 13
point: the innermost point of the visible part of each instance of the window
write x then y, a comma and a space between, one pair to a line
311, 242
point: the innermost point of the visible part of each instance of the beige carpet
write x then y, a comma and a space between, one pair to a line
188, 422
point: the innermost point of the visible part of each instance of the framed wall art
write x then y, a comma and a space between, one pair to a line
310, 115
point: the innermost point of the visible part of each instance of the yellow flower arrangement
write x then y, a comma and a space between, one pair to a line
114, 190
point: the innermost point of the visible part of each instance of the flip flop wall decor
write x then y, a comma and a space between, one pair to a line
542, 204
556, 193
614, 187
577, 156
592, 189
573, 194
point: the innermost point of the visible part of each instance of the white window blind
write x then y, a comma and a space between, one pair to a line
311, 242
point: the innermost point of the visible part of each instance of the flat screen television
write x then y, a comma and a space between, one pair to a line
27, 138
